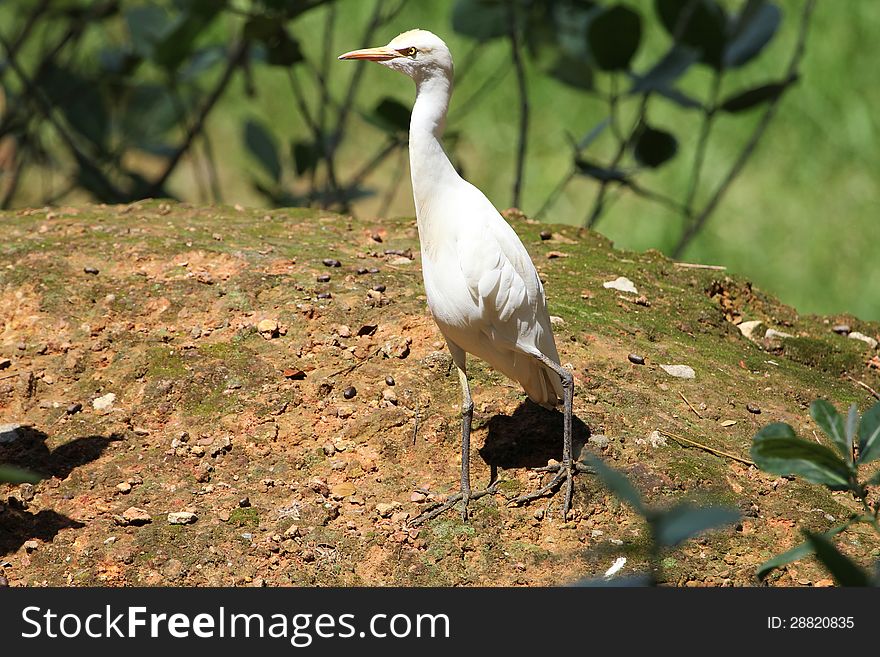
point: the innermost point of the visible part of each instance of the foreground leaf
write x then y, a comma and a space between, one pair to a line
684, 521
617, 483
795, 554
654, 147
869, 435
11, 475
843, 569
777, 449
831, 422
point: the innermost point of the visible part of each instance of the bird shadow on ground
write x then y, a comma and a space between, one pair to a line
529, 437
28, 450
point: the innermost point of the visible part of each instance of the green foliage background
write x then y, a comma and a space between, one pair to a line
801, 221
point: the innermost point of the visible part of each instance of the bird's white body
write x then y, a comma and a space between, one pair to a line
482, 287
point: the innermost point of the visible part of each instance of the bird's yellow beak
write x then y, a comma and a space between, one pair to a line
381, 54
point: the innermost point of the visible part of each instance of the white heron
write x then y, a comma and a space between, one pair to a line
482, 287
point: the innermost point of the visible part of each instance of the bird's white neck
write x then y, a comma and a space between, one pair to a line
430, 168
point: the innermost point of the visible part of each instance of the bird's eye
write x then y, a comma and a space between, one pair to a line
410, 52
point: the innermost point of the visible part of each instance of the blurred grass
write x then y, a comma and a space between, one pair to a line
801, 221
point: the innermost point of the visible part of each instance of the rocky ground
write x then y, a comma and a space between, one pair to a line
220, 396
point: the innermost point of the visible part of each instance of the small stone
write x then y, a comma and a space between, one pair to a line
341, 491
26, 492
330, 262
360, 271
329, 448
621, 284
855, 335
323, 295
751, 408
244, 502
31, 545
104, 402
384, 510
418, 497
376, 237
182, 518
196, 332
656, 439
680, 371
5, 363
389, 395
124, 487
74, 408
323, 278
343, 331
349, 392
3, 582
599, 441
727, 423
842, 329
294, 374
636, 359
9, 432
538, 514
268, 328
771, 334
389, 380
546, 235
203, 473
91, 270
379, 288
136, 516
344, 412
292, 531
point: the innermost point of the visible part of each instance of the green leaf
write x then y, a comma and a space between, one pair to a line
794, 554
684, 521
617, 483
754, 28
777, 449
572, 71
178, 43
593, 170
593, 134
147, 25
751, 98
480, 19
869, 435
666, 71
701, 24
11, 475
281, 48
79, 99
614, 37
305, 157
843, 569
262, 145
392, 116
852, 426
830, 421
654, 147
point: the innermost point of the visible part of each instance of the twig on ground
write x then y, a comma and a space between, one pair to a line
696, 412
717, 452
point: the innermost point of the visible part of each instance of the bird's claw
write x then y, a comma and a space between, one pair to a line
564, 474
450, 502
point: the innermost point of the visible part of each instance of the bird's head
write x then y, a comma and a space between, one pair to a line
417, 53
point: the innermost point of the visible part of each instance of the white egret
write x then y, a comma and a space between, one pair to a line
482, 287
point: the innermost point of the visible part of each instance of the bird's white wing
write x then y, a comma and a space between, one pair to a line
503, 281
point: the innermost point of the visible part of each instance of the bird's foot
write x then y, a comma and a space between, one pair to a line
450, 502
564, 475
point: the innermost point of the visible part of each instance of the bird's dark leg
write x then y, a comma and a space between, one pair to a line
467, 417
466, 494
567, 469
